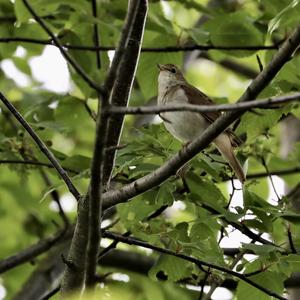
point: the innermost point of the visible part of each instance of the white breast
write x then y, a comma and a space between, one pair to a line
185, 126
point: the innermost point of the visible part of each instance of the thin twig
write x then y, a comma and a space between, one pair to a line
260, 65
222, 230
144, 49
270, 177
231, 65
65, 54
51, 293
260, 103
32, 163
42, 146
290, 238
204, 281
198, 262
284, 172
90, 111
96, 33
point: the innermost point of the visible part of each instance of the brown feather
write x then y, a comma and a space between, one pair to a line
196, 97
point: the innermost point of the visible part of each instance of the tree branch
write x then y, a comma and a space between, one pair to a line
42, 147
96, 183
284, 172
231, 65
123, 83
96, 33
32, 163
117, 73
198, 262
89, 237
268, 103
45, 275
65, 54
155, 178
31, 252
144, 49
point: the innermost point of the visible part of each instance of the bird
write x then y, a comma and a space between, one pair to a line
186, 125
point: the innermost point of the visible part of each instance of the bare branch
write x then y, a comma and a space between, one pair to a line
231, 65
42, 147
110, 80
144, 49
96, 33
121, 90
198, 262
65, 54
290, 238
86, 239
32, 163
31, 252
284, 172
268, 103
155, 178
123, 83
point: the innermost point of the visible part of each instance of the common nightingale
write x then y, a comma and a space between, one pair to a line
186, 125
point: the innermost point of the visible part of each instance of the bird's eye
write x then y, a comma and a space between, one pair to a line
173, 70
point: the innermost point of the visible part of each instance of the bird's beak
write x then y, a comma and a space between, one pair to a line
161, 67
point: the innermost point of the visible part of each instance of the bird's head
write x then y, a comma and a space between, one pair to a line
170, 74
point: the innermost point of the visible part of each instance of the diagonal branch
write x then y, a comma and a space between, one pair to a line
155, 178
198, 262
268, 103
31, 252
65, 54
63, 174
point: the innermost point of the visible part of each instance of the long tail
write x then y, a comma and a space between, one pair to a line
223, 143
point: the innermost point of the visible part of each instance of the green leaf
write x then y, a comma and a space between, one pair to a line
21, 11
234, 29
289, 16
156, 21
253, 200
268, 279
256, 125
204, 245
199, 35
173, 267
205, 191
293, 263
77, 163
139, 208
260, 249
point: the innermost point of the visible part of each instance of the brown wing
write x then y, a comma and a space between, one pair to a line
196, 97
